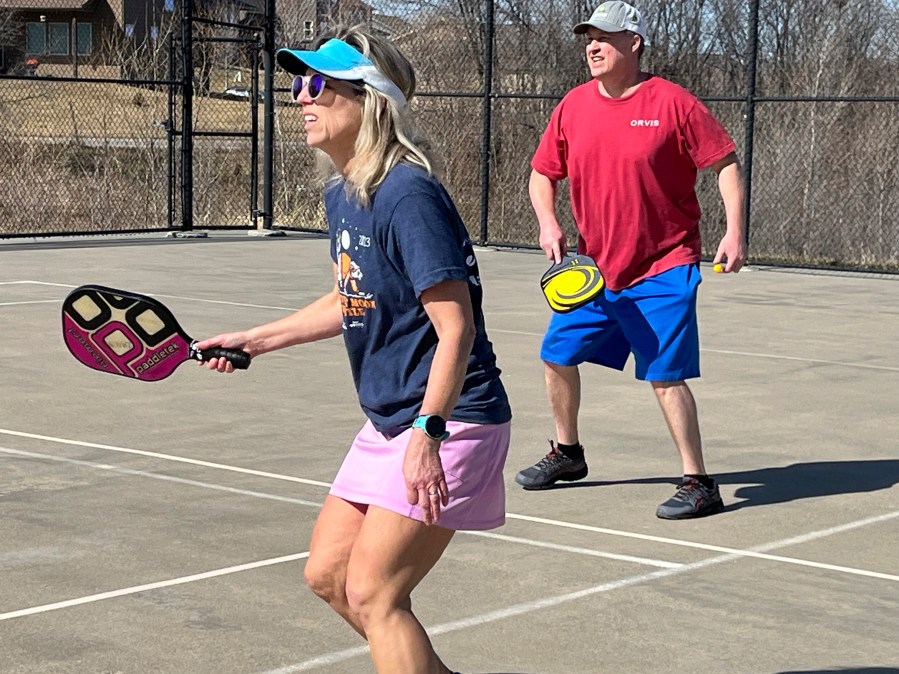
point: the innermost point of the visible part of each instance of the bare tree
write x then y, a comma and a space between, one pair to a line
10, 27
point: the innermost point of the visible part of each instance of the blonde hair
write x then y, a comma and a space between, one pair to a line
387, 136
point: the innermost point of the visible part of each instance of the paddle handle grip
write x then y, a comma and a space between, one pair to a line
239, 359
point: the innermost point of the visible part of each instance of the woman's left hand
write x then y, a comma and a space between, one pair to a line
425, 481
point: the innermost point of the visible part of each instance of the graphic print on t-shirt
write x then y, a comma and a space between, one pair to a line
355, 302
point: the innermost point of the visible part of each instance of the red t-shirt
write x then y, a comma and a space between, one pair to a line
631, 163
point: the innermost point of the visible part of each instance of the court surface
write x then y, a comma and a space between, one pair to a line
163, 527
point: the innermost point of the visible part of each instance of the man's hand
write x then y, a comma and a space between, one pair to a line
553, 242
731, 253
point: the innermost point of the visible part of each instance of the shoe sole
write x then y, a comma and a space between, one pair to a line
714, 509
565, 477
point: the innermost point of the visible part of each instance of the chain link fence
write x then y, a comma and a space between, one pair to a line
820, 143
826, 183
81, 157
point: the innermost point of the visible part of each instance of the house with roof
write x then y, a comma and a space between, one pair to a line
91, 37
59, 37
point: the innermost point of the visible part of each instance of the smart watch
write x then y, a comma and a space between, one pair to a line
433, 425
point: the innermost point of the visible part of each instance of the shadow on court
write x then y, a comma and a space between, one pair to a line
781, 484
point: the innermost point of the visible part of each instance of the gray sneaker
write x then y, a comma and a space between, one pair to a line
692, 499
552, 468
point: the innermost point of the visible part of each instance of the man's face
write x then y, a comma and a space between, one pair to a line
610, 53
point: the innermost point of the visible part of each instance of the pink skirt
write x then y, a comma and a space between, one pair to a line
473, 458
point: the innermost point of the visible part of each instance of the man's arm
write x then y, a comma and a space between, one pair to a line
543, 199
732, 247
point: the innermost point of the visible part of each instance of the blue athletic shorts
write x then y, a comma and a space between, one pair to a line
655, 319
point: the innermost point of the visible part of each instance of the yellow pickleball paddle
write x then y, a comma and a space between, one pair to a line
571, 283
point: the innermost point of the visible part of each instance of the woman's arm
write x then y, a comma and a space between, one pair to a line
448, 305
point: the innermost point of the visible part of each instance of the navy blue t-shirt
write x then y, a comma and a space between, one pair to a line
410, 239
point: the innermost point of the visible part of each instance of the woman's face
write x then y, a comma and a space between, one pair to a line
332, 121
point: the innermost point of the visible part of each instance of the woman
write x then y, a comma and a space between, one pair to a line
407, 299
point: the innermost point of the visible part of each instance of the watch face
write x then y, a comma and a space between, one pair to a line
435, 426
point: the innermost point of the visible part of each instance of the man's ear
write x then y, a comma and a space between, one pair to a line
638, 42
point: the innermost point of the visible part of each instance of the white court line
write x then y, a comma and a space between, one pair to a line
756, 552
749, 354
12, 304
579, 551
37, 283
550, 602
167, 457
152, 586
529, 518
158, 476
170, 297
804, 360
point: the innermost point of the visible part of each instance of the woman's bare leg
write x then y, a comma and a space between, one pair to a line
335, 532
391, 555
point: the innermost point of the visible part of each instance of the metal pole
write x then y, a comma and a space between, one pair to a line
487, 109
74, 47
170, 130
268, 140
751, 60
187, 115
254, 139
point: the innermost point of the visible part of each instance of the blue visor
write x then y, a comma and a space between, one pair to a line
338, 60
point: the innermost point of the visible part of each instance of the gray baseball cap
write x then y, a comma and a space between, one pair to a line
614, 17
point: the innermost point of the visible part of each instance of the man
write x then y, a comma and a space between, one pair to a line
631, 144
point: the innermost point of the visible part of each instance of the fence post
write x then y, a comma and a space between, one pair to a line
487, 108
170, 131
187, 115
268, 139
749, 127
254, 140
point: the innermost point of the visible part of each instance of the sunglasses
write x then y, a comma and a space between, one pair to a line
315, 84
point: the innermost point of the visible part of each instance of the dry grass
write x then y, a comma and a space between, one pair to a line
63, 109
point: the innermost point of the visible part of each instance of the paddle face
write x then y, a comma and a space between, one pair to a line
123, 333
571, 283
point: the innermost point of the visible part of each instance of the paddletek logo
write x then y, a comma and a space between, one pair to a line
644, 122
156, 358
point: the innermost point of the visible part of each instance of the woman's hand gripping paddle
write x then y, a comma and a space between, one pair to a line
131, 335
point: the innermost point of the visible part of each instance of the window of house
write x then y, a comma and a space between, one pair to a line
170, 5
154, 33
84, 38
58, 38
308, 28
129, 30
35, 38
